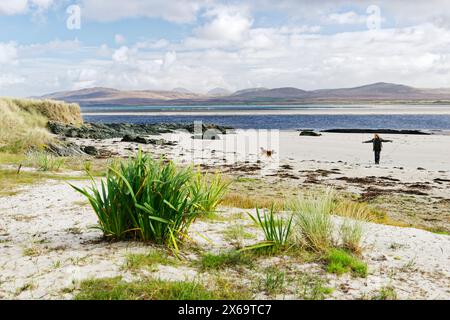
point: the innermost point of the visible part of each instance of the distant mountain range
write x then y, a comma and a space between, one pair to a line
380, 92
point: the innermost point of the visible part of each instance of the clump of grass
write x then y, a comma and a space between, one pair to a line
87, 167
351, 232
313, 220
211, 261
44, 161
354, 210
277, 231
273, 281
209, 193
340, 261
33, 251
312, 287
351, 228
237, 234
137, 261
386, 293
154, 289
27, 286
147, 200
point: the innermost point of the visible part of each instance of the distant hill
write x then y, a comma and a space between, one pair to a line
181, 90
218, 92
377, 92
108, 96
248, 91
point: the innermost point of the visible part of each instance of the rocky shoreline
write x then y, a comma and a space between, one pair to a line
127, 132
119, 130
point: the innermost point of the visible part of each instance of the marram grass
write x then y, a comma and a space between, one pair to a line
23, 122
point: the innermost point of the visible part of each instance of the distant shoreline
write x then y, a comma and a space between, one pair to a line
267, 110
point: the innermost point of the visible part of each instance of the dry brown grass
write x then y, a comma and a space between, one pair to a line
52, 110
23, 122
243, 201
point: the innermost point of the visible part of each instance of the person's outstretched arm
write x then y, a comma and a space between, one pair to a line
382, 140
368, 141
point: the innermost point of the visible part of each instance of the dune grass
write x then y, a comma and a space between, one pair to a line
44, 161
244, 201
351, 228
313, 219
23, 122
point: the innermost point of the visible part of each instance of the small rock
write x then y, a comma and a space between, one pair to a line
137, 139
90, 150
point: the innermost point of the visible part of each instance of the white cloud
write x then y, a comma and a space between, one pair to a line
121, 54
112, 10
227, 24
8, 53
169, 59
42, 4
231, 48
350, 17
10, 79
119, 39
12, 7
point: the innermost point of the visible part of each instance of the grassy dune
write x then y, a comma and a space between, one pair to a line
23, 122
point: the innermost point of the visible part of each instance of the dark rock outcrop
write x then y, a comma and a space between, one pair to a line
380, 131
142, 140
64, 149
120, 130
310, 133
90, 150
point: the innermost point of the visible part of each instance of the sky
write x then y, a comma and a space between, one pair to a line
55, 45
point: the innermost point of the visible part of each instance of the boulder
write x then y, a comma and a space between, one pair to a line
90, 150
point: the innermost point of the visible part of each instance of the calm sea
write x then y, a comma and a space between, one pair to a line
289, 117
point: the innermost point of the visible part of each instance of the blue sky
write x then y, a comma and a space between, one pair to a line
203, 44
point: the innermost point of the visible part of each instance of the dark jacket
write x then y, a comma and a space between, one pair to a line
377, 143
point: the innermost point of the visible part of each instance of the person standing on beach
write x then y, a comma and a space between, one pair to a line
377, 146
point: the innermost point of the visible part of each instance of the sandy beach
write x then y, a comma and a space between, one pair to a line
48, 246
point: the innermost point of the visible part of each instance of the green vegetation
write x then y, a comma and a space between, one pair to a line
386, 293
340, 261
274, 280
152, 289
209, 193
211, 261
44, 161
240, 200
23, 122
149, 200
137, 261
236, 234
311, 287
11, 180
313, 219
277, 231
